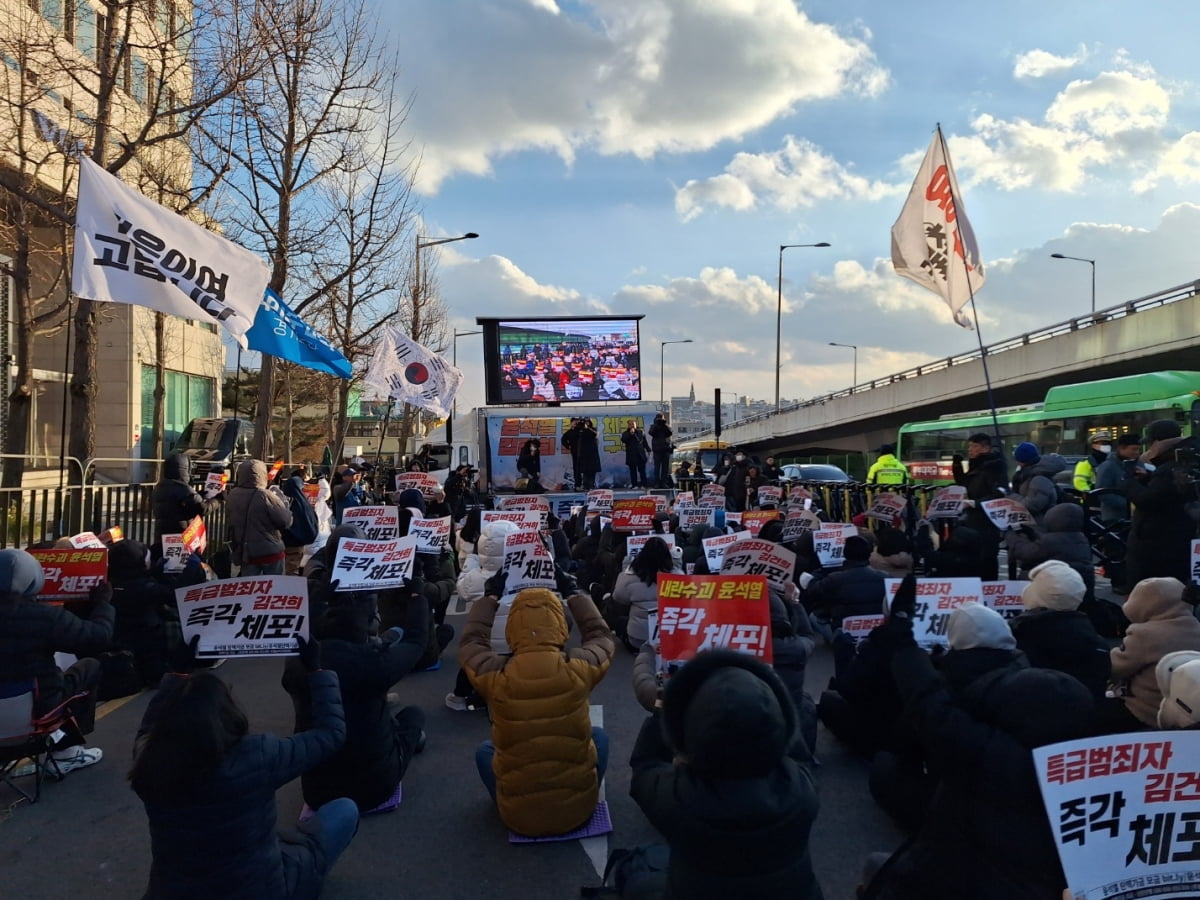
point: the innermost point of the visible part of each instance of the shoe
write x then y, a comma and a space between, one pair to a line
76, 758
455, 702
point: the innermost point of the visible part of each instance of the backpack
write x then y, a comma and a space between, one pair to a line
303, 530
637, 874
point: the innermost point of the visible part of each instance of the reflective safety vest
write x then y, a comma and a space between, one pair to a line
887, 470
1084, 478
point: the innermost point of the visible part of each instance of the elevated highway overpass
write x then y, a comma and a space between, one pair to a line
1158, 331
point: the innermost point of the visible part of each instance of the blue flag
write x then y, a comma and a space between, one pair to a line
278, 331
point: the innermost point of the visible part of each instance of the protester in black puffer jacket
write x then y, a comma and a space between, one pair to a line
987, 835
723, 775
1060, 537
147, 621
176, 503
792, 642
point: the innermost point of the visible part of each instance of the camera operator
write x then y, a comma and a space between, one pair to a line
460, 489
1162, 486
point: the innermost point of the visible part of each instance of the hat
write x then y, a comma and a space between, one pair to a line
857, 549
974, 625
1026, 453
1053, 585
1129, 439
411, 498
886, 448
1101, 437
20, 573
1178, 677
349, 470
1161, 429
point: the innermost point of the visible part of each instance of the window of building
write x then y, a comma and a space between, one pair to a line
139, 84
88, 27
52, 12
186, 397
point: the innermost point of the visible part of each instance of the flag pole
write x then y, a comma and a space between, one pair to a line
987, 379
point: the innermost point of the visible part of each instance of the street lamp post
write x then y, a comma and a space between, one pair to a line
1090, 262
422, 243
853, 347
454, 402
779, 313
662, 372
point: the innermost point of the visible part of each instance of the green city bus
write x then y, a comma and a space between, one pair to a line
1063, 423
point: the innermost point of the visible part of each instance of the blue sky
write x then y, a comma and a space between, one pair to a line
650, 156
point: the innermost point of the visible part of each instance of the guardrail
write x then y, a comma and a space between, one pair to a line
1166, 297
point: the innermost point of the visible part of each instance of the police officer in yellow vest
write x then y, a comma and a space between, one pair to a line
1084, 478
887, 469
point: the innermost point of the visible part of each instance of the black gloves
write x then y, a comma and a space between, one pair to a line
494, 586
309, 653
182, 658
101, 593
566, 584
904, 604
415, 585
896, 631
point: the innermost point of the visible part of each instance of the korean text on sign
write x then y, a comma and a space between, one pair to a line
600, 501
829, 543
715, 548
700, 612
1125, 812
633, 515
373, 565
379, 523
527, 562
947, 503
432, 535
261, 615
937, 598
71, 574
1007, 513
754, 557
755, 519
525, 519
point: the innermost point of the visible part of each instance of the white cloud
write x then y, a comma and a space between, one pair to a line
638, 77
798, 175
1111, 103
1179, 163
1040, 63
715, 288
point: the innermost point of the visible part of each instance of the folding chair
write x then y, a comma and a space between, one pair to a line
24, 737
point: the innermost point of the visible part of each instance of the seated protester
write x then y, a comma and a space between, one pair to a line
963, 554
323, 579
1060, 537
854, 590
987, 835
893, 553
380, 741
979, 642
147, 619
1178, 676
1033, 482
32, 632
722, 772
609, 560
436, 570
635, 595
209, 791
559, 548
545, 761
792, 642
584, 551
1162, 620
464, 540
1054, 634
693, 547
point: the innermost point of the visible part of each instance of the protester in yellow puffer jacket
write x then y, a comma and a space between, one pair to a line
545, 761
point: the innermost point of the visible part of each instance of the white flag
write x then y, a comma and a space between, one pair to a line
404, 370
932, 241
129, 249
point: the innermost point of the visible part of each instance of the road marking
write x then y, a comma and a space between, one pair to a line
596, 847
109, 706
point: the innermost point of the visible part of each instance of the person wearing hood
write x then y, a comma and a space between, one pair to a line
987, 835
1178, 676
32, 632
986, 478
256, 516
147, 618
1054, 634
893, 552
304, 528
1162, 620
722, 772
1033, 481
1061, 537
792, 643
1160, 491
545, 760
175, 501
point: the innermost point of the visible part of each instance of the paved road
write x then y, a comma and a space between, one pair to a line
87, 837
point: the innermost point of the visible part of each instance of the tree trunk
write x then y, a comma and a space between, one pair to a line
82, 445
262, 432
288, 411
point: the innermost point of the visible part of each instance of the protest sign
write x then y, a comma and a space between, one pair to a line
1007, 512
524, 501
112, 535
1195, 561
527, 562
947, 502
633, 515
379, 523
715, 548
937, 598
660, 502
525, 519
698, 612
713, 490
86, 540
195, 536
71, 574
733, 517
682, 499
711, 502
800, 496
421, 481
260, 615
373, 565
770, 495
829, 543
858, 627
175, 553
635, 542
755, 519
311, 491
695, 517
799, 521
887, 506
214, 484
600, 501
1124, 810
1005, 597
433, 535
766, 558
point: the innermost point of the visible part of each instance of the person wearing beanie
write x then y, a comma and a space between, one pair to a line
1033, 481
1160, 535
721, 772
854, 590
1162, 620
1054, 634
1178, 676
413, 499
32, 632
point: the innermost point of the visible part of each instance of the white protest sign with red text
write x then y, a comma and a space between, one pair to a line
600, 501
1006, 513
947, 502
527, 562
432, 535
260, 615
829, 543
937, 598
766, 558
525, 519
1005, 597
373, 565
716, 547
379, 523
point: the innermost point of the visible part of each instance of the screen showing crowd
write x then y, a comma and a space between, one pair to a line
575, 360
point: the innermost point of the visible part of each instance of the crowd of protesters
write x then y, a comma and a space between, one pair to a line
724, 764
